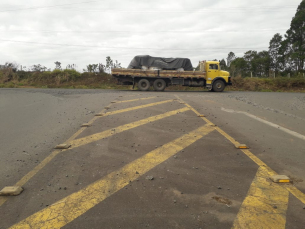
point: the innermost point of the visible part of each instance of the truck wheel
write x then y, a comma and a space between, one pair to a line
143, 85
159, 85
218, 86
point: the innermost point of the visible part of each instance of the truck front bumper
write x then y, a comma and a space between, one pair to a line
229, 81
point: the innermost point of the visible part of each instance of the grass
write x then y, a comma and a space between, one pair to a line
74, 80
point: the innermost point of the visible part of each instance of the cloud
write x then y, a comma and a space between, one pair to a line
199, 30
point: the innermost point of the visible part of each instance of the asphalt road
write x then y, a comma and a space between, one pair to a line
149, 161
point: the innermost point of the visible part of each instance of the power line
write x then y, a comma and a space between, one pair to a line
150, 31
109, 47
45, 7
145, 10
175, 11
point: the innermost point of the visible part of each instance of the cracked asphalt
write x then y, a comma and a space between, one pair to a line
149, 161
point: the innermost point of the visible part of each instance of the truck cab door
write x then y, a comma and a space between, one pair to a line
213, 71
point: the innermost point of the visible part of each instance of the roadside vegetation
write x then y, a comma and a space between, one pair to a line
281, 68
284, 58
12, 75
96, 76
70, 78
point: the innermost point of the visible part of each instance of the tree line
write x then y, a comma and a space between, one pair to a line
92, 68
285, 56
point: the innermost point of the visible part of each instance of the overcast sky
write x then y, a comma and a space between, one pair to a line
85, 32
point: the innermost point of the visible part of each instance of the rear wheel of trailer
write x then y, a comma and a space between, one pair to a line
159, 85
143, 84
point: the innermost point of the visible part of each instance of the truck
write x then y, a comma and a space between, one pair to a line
146, 71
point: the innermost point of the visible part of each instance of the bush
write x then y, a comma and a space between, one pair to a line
268, 84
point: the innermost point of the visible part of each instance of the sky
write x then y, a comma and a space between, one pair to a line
86, 32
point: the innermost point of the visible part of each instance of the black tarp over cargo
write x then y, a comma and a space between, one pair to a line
160, 62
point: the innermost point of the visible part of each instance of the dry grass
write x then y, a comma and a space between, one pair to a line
268, 84
74, 79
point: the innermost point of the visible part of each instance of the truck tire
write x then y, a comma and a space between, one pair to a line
218, 86
159, 85
143, 85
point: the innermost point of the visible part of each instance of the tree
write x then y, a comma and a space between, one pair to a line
230, 58
285, 59
101, 68
262, 62
239, 66
223, 64
57, 65
38, 68
71, 66
91, 68
117, 64
250, 57
109, 63
10, 65
296, 37
275, 53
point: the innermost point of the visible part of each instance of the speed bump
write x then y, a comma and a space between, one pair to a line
280, 179
201, 115
242, 146
86, 125
98, 114
62, 146
11, 191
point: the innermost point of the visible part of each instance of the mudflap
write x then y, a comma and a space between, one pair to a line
133, 84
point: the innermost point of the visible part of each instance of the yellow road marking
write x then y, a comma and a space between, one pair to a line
135, 108
32, 173
265, 205
89, 139
42, 164
296, 192
134, 100
292, 189
76, 204
196, 112
95, 137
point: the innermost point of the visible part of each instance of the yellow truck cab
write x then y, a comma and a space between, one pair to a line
209, 75
215, 77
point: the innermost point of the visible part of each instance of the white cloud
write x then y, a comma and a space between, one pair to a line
216, 27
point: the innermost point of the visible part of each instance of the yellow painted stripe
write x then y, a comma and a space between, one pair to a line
95, 137
296, 192
76, 204
194, 110
265, 205
135, 108
32, 173
258, 161
292, 189
89, 139
42, 164
134, 100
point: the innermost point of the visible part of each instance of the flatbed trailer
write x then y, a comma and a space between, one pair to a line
209, 76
